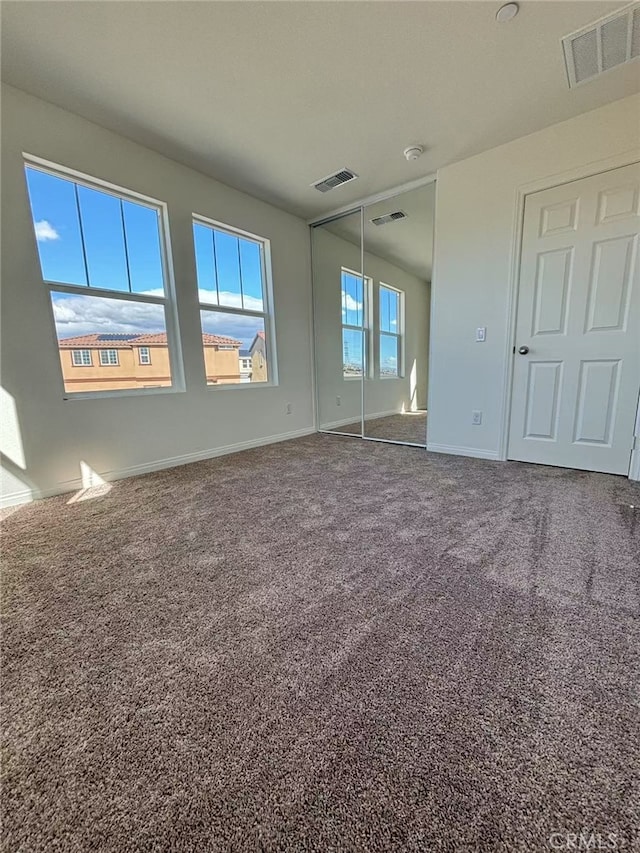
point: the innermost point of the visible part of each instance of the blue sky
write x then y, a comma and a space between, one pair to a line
122, 253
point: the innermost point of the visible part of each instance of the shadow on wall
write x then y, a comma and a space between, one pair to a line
16, 487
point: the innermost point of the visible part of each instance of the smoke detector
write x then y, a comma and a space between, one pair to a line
413, 152
507, 12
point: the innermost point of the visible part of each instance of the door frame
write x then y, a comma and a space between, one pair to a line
587, 170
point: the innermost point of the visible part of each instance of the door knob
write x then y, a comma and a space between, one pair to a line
523, 350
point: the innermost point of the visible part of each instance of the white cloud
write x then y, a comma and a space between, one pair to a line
86, 315
231, 300
45, 231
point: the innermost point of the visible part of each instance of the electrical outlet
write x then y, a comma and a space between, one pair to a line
338, 400
289, 408
476, 417
481, 334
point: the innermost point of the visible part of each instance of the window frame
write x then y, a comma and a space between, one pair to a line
168, 302
81, 363
366, 328
147, 350
399, 336
267, 314
108, 363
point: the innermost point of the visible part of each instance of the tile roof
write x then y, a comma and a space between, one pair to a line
126, 341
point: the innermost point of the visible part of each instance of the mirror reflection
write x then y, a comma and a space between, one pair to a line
340, 311
398, 243
371, 282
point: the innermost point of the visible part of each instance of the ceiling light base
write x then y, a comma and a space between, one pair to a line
413, 152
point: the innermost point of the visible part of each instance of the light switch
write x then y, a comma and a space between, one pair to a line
481, 334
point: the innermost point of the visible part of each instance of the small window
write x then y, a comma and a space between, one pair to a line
233, 271
102, 256
81, 357
354, 295
391, 332
108, 357
144, 355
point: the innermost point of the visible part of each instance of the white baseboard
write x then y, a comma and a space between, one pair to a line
27, 495
354, 419
475, 452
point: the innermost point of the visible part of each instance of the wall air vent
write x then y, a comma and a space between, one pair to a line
332, 181
603, 45
389, 217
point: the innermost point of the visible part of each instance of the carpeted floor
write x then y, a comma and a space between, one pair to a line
410, 427
324, 645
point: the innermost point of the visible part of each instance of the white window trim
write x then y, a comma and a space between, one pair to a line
169, 301
366, 328
147, 350
81, 363
267, 314
400, 336
107, 362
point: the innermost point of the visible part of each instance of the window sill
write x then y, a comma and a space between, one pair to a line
125, 392
234, 386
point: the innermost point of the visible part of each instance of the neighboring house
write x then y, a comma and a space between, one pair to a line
107, 362
258, 350
245, 365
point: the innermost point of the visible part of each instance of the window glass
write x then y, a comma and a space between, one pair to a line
231, 276
352, 352
228, 267
225, 337
90, 239
56, 222
93, 322
103, 235
142, 231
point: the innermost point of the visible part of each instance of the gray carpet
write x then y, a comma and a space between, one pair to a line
324, 645
410, 427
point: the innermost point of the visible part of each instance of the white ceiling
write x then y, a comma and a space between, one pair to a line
271, 96
408, 243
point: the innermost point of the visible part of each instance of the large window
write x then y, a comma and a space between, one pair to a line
391, 332
102, 256
354, 295
233, 270
81, 357
109, 357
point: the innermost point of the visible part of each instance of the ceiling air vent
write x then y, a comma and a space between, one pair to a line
389, 217
335, 180
603, 45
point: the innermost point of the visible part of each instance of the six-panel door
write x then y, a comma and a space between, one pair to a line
575, 392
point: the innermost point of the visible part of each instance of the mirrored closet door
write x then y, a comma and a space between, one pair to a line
340, 306
398, 241
371, 298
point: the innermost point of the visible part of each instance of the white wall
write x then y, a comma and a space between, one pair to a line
46, 438
382, 396
476, 225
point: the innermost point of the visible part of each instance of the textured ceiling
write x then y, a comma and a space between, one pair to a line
271, 96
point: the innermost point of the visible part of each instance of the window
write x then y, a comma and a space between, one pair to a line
391, 331
102, 256
354, 293
144, 355
233, 271
81, 357
108, 357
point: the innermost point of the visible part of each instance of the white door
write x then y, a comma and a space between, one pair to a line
577, 355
